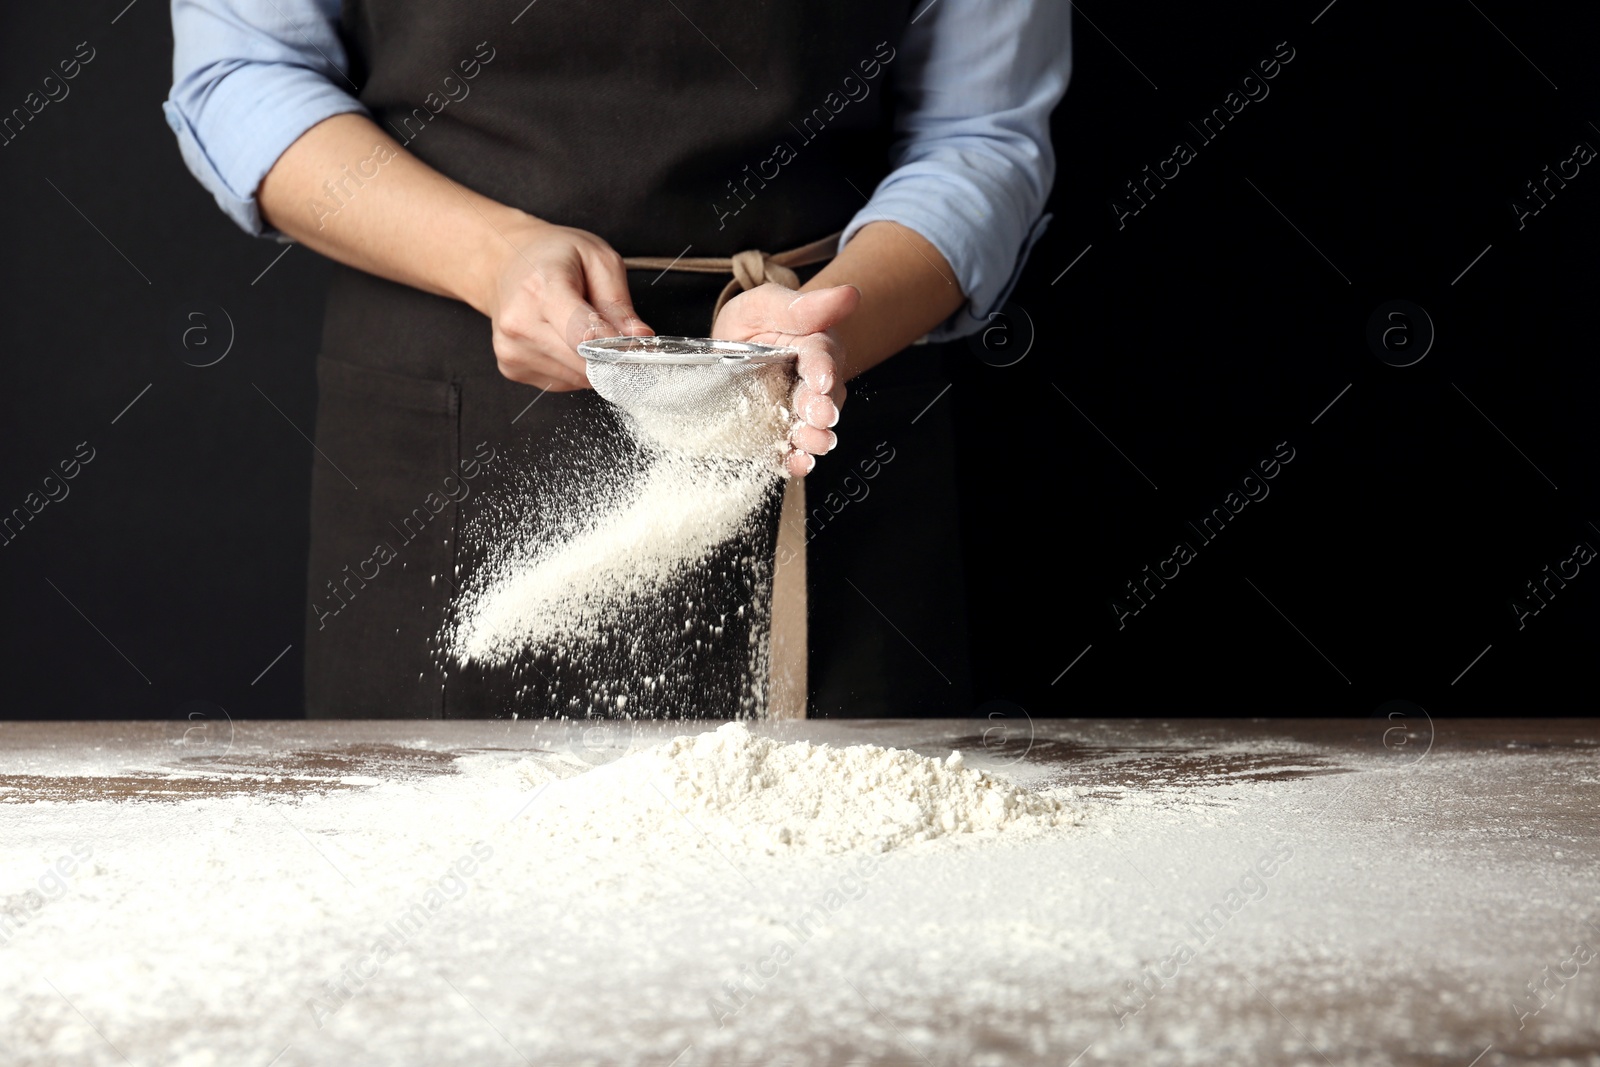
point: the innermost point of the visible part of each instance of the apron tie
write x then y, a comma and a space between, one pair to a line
749, 268
752, 268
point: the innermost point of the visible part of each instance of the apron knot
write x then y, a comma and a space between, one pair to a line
749, 268
753, 267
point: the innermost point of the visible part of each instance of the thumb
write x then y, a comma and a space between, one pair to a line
819, 310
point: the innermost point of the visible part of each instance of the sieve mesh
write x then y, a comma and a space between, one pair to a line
704, 397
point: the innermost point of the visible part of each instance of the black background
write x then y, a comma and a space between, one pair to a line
1219, 321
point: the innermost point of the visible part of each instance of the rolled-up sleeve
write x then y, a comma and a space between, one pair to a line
975, 84
248, 78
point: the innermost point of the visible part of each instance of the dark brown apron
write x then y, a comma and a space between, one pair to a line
658, 129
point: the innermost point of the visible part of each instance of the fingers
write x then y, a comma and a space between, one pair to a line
817, 364
810, 439
550, 299
773, 313
772, 308
551, 385
814, 408
564, 363
537, 355
545, 375
812, 435
549, 377
569, 316
607, 286
822, 309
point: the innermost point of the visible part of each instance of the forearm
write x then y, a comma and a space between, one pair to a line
907, 289
348, 190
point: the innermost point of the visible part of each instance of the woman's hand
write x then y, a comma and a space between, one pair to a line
773, 315
553, 287
544, 287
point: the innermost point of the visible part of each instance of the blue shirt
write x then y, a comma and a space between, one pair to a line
975, 83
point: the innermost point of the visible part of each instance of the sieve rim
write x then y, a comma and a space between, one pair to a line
686, 351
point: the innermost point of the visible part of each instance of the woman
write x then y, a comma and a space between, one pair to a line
473, 162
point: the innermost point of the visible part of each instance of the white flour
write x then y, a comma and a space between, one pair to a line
564, 927
663, 522
713, 438
738, 411
756, 794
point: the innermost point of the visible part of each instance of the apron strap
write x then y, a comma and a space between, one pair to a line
749, 268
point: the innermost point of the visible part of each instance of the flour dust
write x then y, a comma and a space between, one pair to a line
638, 576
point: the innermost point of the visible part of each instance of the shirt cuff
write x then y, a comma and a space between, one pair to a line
969, 318
234, 133
985, 273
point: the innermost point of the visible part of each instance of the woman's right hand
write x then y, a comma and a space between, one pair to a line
554, 286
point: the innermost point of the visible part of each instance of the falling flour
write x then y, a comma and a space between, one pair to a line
712, 440
751, 793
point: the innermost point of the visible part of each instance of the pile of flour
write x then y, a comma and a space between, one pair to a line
749, 793
712, 438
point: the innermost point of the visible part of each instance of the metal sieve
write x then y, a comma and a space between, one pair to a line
695, 392
690, 351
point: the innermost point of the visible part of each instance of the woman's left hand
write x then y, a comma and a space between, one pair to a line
771, 314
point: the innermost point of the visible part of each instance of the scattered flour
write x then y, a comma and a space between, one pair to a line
713, 438
753, 793
459, 918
